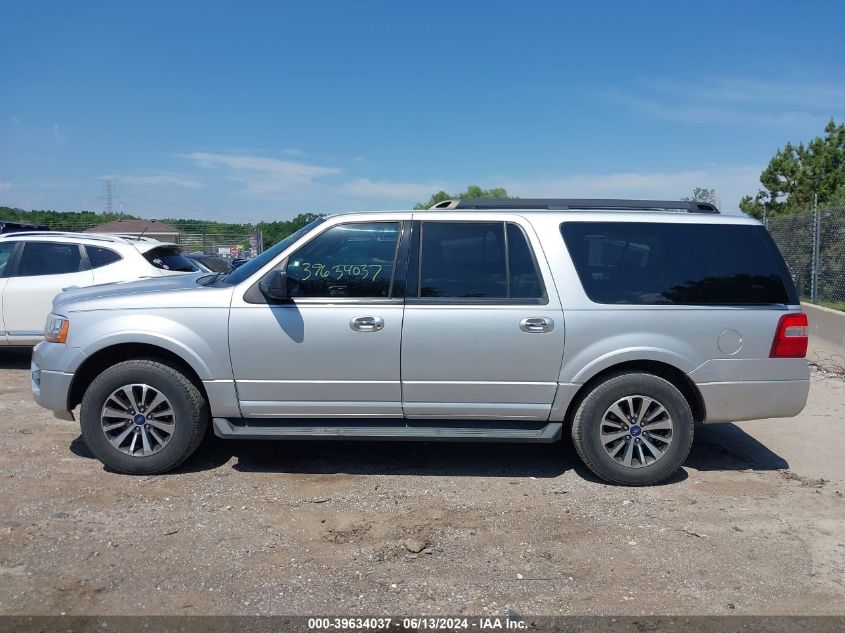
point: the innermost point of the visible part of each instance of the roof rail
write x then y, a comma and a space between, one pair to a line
136, 238
577, 204
87, 236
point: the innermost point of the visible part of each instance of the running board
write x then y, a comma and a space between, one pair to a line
421, 430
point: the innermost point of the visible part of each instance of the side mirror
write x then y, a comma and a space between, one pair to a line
275, 285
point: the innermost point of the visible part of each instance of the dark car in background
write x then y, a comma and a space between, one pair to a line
209, 263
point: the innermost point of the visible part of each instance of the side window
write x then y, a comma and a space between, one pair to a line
477, 260
99, 256
6, 249
49, 258
463, 260
649, 263
522, 267
347, 260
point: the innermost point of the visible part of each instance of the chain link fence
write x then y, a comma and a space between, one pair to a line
235, 241
813, 245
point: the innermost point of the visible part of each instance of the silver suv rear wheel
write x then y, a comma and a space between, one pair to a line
633, 428
636, 431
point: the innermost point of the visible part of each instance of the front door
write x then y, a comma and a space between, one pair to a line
43, 270
332, 350
483, 329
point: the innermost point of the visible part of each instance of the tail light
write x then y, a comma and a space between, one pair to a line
790, 337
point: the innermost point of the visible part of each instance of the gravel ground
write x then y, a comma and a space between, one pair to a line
754, 524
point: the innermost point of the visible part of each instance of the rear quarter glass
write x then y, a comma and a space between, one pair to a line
651, 263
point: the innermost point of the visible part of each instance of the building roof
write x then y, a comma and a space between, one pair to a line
135, 227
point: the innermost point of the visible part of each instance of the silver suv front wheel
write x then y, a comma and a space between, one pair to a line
138, 420
143, 417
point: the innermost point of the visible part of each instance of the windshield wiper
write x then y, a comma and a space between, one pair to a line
213, 278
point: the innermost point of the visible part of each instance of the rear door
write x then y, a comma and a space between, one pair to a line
483, 329
42, 270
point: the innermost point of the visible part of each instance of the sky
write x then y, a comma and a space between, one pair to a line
255, 111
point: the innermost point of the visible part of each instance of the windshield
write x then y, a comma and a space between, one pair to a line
256, 263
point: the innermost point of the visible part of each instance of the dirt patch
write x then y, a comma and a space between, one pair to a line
324, 527
807, 482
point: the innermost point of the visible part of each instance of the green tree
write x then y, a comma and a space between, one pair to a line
473, 191
60, 220
273, 232
838, 198
798, 173
703, 194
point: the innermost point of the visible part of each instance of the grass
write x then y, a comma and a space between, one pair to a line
834, 305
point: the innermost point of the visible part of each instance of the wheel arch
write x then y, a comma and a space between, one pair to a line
668, 372
108, 356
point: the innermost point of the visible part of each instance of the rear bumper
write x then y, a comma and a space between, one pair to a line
753, 400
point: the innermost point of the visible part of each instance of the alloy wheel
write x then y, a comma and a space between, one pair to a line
138, 420
636, 431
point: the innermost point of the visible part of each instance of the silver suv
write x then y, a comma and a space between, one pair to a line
626, 322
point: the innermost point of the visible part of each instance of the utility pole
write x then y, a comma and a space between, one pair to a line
109, 187
814, 266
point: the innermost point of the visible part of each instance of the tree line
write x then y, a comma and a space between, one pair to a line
271, 232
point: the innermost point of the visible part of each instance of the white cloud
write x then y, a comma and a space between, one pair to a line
704, 113
262, 176
366, 188
160, 180
297, 184
5, 185
58, 135
750, 91
730, 183
736, 101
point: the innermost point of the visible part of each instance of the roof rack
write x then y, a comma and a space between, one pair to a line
564, 204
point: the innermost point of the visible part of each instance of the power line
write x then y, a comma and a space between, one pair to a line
109, 187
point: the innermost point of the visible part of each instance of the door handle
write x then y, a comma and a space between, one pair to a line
367, 324
536, 324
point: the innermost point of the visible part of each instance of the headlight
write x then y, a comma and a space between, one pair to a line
56, 329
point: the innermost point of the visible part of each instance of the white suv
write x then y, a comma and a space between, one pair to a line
35, 266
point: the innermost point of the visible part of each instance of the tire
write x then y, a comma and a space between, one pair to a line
175, 427
595, 426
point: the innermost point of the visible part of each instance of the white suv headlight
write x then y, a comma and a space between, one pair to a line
56, 329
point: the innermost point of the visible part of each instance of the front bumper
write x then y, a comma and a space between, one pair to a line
51, 389
52, 370
753, 400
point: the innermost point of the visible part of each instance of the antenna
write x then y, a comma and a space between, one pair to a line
109, 186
